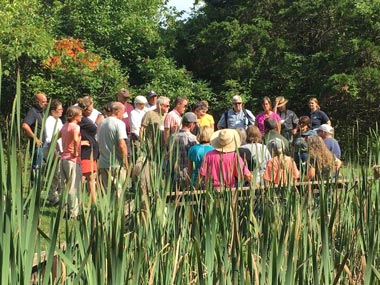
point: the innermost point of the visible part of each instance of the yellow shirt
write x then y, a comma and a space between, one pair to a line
206, 120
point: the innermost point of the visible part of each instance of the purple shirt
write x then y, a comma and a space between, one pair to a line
260, 118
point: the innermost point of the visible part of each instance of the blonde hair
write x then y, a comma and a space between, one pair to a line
315, 101
72, 112
205, 133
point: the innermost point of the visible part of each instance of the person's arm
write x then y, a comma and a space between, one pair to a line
221, 123
99, 119
328, 122
123, 151
76, 140
30, 134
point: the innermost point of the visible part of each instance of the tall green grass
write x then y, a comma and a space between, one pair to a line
279, 236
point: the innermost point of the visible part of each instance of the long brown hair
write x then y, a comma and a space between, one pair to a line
322, 156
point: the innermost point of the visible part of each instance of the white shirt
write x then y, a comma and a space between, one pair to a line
94, 115
150, 107
135, 120
52, 127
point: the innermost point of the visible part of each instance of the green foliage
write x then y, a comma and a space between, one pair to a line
162, 75
72, 71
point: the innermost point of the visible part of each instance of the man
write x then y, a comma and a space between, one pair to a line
237, 117
326, 132
113, 158
151, 96
289, 119
172, 121
152, 127
32, 125
180, 144
123, 97
271, 132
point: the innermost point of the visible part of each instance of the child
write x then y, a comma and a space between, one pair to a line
70, 159
281, 169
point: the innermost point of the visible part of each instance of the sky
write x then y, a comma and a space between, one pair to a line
181, 4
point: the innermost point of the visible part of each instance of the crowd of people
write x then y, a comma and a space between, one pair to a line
102, 149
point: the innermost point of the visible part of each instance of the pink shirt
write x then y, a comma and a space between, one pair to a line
227, 166
280, 171
173, 121
260, 118
67, 135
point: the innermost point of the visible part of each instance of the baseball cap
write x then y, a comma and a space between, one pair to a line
326, 128
189, 117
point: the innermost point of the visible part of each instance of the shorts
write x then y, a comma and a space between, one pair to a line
89, 166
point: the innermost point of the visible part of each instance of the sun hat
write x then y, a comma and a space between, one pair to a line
124, 92
151, 94
326, 128
225, 140
281, 101
140, 100
189, 117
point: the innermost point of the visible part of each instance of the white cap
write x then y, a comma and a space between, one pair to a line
140, 100
326, 128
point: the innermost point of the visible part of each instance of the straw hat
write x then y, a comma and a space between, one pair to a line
225, 140
281, 101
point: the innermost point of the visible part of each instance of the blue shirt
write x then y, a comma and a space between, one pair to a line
333, 145
318, 118
196, 154
236, 120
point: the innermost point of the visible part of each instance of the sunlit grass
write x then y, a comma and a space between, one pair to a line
276, 236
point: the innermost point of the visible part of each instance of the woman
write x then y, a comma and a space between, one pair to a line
197, 152
254, 153
71, 159
317, 116
300, 145
89, 146
281, 169
267, 113
321, 162
204, 119
53, 125
223, 165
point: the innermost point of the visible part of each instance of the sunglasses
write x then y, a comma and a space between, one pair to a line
237, 103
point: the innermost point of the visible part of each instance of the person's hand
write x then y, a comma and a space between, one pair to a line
38, 142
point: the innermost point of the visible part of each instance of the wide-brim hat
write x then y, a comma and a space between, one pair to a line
281, 101
225, 140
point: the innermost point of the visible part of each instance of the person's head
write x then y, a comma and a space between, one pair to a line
281, 103
242, 134
201, 109
117, 110
123, 95
276, 147
304, 123
86, 104
189, 121
270, 124
151, 96
319, 152
325, 131
140, 102
314, 104
41, 100
107, 109
56, 108
163, 104
254, 135
266, 103
226, 140
237, 103
204, 135
74, 113
180, 104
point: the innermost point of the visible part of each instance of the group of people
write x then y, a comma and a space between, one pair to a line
99, 147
